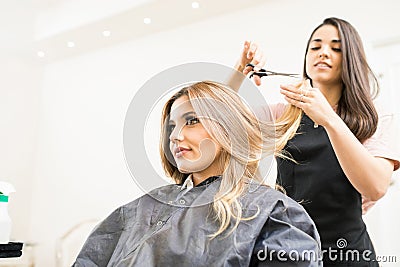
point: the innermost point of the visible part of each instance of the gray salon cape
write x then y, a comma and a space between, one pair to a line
171, 227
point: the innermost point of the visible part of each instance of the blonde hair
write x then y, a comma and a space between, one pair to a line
287, 125
244, 141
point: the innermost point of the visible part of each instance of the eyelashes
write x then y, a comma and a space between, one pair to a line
190, 121
333, 48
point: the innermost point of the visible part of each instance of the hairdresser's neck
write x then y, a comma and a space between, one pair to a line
332, 92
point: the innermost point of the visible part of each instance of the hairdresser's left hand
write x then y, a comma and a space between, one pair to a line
310, 100
253, 54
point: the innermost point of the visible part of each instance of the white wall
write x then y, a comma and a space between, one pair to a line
19, 96
20, 79
79, 169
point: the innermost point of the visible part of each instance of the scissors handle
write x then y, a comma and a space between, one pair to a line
264, 72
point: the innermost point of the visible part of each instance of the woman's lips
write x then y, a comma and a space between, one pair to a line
322, 65
179, 152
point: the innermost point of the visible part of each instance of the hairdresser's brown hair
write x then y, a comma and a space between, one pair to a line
360, 85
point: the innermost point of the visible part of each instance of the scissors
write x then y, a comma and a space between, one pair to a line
264, 72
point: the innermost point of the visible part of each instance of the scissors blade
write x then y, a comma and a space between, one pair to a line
264, 72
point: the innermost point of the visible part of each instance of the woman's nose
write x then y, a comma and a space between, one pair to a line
324, 52
176, 134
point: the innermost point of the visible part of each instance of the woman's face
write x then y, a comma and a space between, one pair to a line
192, 147
324, 56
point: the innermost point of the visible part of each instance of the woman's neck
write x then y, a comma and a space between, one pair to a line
332, 93
199, 177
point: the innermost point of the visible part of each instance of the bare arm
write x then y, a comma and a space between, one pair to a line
369, 175
250, 54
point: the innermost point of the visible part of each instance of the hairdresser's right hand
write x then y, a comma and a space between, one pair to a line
251, 53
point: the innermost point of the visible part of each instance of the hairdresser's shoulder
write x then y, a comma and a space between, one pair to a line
270, 112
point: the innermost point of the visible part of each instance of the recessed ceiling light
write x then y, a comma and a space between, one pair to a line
70, 44
106, 33
40, 54
147, 20
195, 5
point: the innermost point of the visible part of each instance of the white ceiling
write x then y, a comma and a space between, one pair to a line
63, 15
29, 26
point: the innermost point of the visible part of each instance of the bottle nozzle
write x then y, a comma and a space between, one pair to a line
5, 190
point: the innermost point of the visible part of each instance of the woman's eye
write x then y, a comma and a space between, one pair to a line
170, 128
314, 48
336, 49
192, 121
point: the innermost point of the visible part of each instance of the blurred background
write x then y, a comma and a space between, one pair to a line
69, 69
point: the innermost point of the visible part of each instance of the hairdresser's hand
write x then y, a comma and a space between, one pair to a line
251, 53
366, 204
310, 100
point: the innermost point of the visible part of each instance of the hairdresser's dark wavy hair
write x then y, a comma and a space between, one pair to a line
360, 85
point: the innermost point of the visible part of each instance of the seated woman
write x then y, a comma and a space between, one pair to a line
219, 212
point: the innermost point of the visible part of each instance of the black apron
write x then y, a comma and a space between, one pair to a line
318, 183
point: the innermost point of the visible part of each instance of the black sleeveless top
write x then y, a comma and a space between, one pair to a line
318, 183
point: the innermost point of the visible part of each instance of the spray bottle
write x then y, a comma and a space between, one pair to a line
5, 220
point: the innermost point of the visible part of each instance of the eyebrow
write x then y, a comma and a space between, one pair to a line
333, 41
184, 115
188, 113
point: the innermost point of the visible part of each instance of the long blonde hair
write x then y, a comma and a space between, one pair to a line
244, 141
287, 124
286, 127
